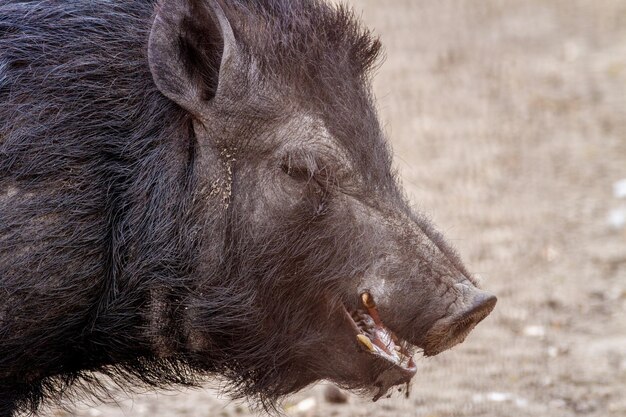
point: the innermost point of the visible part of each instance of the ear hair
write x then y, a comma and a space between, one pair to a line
189, 51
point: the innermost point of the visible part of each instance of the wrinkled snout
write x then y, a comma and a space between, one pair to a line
469, 309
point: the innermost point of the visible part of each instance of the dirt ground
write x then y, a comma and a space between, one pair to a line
508, 121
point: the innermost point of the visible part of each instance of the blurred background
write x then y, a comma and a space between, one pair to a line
508, 123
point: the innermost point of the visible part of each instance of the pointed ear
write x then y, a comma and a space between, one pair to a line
190, 48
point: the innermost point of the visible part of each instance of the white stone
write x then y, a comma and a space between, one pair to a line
535, 331
617, 218
619, 188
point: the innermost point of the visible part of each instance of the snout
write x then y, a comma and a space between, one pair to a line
471, 307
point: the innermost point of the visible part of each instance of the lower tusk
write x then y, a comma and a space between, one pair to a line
365, 341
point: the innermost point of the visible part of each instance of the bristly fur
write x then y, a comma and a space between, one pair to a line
300, 39
95, 201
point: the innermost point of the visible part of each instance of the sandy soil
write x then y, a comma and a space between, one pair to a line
508, 120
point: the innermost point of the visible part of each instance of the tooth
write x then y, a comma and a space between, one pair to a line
368, 301
365, 341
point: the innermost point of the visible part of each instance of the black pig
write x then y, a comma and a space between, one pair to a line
201, 188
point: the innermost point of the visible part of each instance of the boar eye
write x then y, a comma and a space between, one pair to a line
307, 169
297, 172
301, 166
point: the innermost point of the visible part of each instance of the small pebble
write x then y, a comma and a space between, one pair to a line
617, 218
619, 188
534, 331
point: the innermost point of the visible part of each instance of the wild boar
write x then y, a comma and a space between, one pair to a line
192, 189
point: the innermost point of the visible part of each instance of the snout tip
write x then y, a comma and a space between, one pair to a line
453, 329
482, 304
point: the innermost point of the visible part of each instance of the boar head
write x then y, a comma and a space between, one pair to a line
314, 267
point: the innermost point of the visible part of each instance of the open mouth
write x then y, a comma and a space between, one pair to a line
392, 356
376, 339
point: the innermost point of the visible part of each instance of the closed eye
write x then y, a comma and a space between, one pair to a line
298, 173
301, 166
309, 169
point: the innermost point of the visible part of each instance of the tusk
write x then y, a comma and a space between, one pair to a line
367, 300
365, 341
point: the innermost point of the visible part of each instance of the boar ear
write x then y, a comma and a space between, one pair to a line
191, 45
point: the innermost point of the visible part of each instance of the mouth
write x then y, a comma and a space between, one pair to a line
391, 360
383, 344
